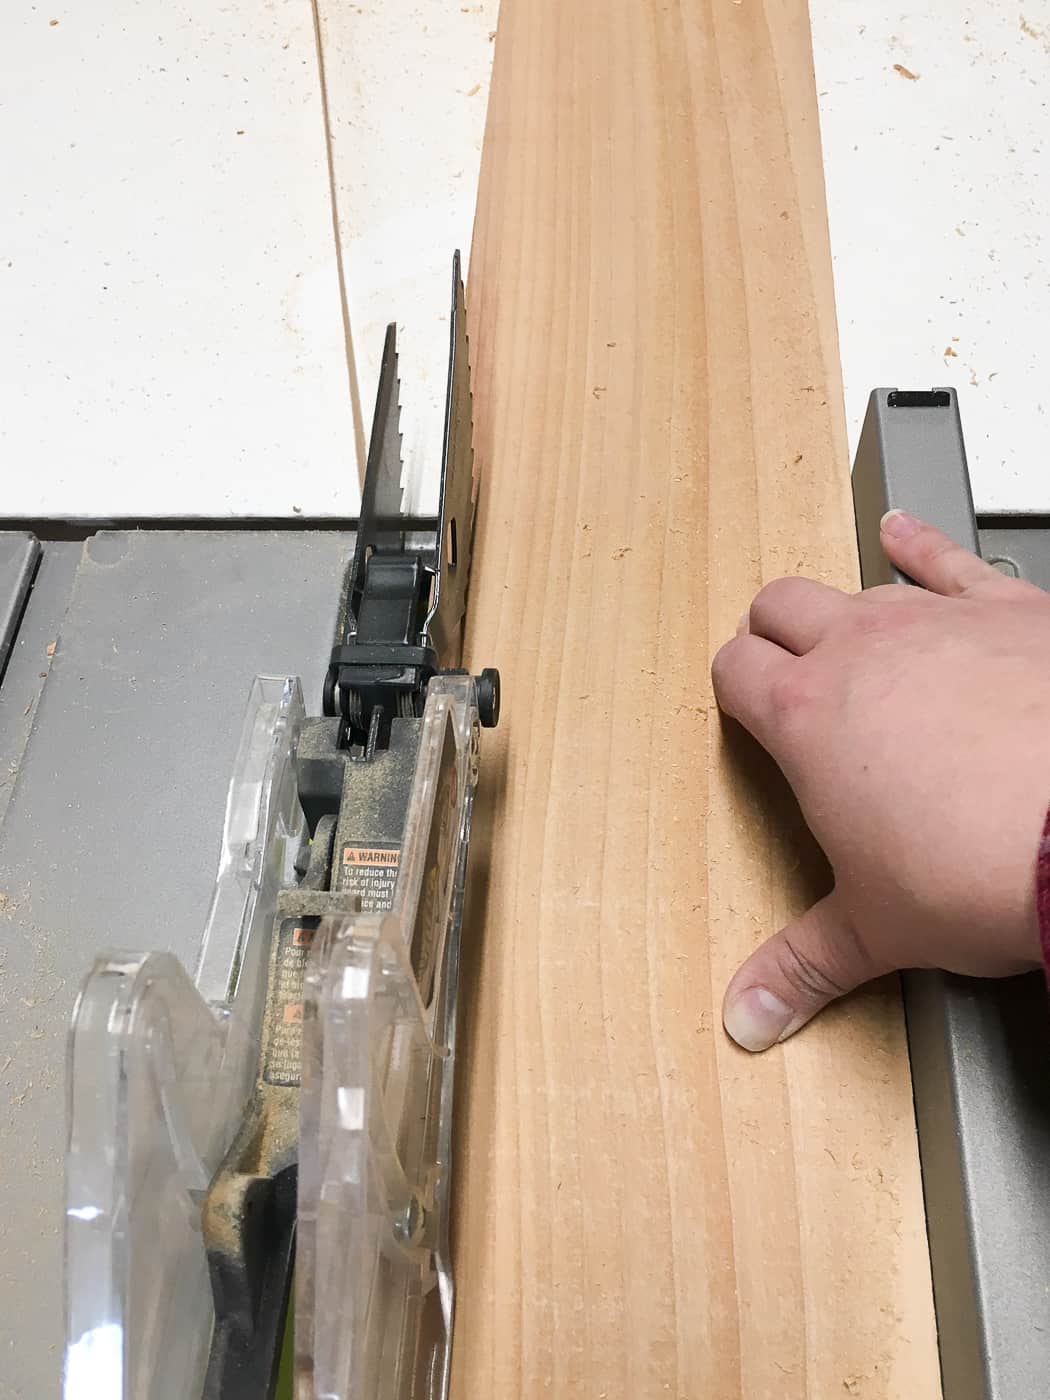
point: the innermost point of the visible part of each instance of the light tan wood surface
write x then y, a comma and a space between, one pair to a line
642, 1210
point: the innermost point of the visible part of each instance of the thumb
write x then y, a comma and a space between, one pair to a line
794, 974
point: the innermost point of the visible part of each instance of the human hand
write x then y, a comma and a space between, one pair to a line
914, 728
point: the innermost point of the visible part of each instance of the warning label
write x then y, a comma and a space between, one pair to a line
370, 872
284, 1036
371, 855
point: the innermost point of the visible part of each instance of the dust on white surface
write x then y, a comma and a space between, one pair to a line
939, 205
173, 340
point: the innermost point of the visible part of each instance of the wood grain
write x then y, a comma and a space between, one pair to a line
642, 1209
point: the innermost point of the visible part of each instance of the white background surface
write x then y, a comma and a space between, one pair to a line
939, 208
173, 331
407, 87
170, 321
178, 335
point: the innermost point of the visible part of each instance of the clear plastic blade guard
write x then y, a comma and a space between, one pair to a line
159, 1069
374, 1296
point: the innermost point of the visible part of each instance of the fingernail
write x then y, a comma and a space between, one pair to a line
756, 1019
899, 525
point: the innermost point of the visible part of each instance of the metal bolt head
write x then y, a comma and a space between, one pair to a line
410, 1224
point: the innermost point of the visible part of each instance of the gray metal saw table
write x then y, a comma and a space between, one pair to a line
115, 755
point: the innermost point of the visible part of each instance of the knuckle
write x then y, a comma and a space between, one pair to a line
777, 596
888, 594
889, 617
727, 670
776, 589
949, 564
793, 694
723, 661
948, 561
935, 547
805, 977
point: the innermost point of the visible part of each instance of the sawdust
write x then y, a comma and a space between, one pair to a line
7, 904
31, 1003
1041, 36
906, 73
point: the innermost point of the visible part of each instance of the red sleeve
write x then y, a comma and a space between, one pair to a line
1042, 893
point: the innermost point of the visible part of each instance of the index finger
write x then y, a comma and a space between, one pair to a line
935, 561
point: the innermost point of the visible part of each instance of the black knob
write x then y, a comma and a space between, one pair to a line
328, 694
487, 687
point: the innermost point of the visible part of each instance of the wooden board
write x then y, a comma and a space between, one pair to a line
642, 1209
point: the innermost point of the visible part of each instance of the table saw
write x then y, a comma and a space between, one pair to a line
259, 1127
128, 656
